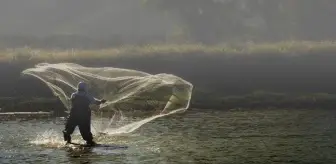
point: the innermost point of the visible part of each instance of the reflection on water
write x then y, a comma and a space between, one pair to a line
198, 136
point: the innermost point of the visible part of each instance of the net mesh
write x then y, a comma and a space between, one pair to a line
133, 97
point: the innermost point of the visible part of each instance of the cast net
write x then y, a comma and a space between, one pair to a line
134, 98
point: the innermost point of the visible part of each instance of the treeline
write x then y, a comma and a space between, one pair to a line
212, 21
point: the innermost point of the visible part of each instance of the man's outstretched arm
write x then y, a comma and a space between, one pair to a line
98, 102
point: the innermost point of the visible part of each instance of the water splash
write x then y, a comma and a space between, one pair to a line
52, 139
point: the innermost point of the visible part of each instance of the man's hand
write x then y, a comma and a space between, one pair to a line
102, 101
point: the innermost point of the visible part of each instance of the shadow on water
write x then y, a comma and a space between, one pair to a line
80, 156
88, 155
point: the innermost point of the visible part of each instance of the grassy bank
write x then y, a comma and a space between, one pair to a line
226, 76
27, 54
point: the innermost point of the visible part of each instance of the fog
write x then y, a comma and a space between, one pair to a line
96, 18
146, 21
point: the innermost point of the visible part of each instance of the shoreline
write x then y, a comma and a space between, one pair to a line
7, 116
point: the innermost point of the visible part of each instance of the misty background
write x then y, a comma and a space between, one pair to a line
108, 23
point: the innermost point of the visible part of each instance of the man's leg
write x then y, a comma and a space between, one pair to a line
69, 129
85, 130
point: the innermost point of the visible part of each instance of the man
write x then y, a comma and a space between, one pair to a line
80, 114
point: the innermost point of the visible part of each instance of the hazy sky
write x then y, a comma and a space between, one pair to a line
89, 17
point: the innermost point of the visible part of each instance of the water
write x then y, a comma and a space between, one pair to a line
198, 136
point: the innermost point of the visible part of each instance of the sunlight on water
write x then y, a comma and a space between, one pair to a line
133, 126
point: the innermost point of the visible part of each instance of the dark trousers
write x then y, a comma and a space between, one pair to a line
84, 125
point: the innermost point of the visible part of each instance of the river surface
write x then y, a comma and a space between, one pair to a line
197, 136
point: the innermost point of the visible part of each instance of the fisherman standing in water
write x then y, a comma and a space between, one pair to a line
80, 114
